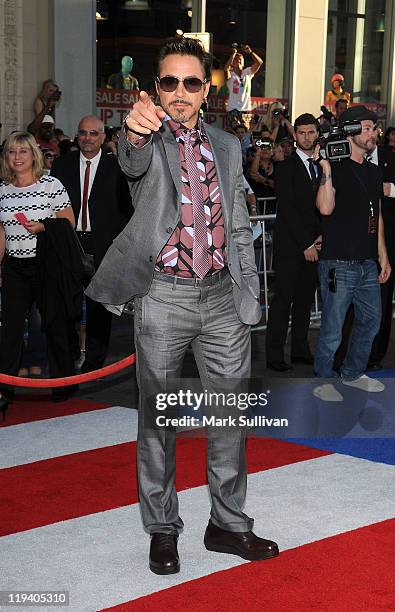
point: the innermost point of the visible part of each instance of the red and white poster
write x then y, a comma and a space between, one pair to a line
114, 104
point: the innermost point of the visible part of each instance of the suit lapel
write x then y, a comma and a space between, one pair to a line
74, 183
173, 157
99, 177
221, 162
313, 183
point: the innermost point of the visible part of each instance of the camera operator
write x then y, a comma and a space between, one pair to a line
383, 158
352, 241
238, 78
280, 127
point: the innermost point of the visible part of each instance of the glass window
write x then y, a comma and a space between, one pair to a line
357, 37
130, 32
135, 28
258, 23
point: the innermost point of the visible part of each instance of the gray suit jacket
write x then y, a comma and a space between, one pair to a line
154, 175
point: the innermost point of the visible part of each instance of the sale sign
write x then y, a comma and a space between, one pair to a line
114, 104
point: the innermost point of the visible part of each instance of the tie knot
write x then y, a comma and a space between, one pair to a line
190, 136
88, 163
310, 160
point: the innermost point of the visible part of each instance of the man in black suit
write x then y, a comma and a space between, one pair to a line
296, 246
100, 198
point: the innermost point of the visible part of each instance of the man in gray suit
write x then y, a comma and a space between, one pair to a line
186, 259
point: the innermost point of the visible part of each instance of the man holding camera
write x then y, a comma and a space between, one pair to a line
296, 246
238, 78
352, 241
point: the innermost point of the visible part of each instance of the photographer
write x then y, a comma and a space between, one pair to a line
260, 170
280, 126
238, 78
352, 241
47, 98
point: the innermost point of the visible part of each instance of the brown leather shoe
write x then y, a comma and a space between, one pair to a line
245, 544
163, 556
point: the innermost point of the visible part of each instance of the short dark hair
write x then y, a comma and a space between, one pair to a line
306, 119
186, 46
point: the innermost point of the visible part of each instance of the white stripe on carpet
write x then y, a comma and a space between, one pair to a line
102, 559
60, 436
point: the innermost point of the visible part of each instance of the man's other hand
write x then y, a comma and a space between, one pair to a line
385, 271
311, 254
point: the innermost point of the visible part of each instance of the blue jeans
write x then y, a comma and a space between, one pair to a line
357, 284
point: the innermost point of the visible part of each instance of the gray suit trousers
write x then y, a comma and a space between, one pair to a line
168, 319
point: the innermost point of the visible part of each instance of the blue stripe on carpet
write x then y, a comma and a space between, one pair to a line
381, 450
385, 373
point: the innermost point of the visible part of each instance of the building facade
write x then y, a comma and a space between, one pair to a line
80, 43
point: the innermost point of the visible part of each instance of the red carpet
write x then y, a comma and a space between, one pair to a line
82, 467
36, 408
45, 492
323, 576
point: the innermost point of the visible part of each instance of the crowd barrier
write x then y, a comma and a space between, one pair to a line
264, 259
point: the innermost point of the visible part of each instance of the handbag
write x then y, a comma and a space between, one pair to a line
88, 260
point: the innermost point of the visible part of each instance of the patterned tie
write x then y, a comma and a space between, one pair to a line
84, 215
312, 171
200, 263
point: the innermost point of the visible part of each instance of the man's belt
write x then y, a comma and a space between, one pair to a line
207, 281
353, 261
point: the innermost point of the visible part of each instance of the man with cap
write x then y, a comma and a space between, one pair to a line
380, 156
45, 135
352, 243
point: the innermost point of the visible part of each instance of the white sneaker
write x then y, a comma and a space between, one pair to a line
328, 393
365, 383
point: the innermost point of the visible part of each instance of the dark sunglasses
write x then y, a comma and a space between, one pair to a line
170, 83
93, 133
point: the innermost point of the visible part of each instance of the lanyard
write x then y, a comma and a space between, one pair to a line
365, 190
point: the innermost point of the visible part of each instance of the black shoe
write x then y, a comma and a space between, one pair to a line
305, 360
4, 403
244, 544
374, 366
279, 366
163, 555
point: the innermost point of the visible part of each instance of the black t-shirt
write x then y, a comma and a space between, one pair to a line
351, 231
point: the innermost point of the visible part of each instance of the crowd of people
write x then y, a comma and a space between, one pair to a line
96, 192
46, 320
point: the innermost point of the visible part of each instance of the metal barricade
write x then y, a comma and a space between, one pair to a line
265, 263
